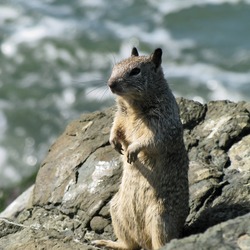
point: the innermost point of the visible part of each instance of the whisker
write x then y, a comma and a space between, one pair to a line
90, 81
104, 93
93, 89
114, 60
83, 84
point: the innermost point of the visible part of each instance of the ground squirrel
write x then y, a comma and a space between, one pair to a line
151, 205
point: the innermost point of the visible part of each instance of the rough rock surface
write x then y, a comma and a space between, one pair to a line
69, 204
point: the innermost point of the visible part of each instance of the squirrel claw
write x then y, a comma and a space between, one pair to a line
117, 146
120, 151
131, 157
132, 152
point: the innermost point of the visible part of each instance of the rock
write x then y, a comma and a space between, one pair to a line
69, 205
19, 204
233, 234
240, 156
98, 224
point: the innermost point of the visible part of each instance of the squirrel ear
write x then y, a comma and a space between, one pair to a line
156, 57
134, 52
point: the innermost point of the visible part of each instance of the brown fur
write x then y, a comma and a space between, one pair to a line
151, 205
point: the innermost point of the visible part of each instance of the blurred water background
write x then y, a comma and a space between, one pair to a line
56, 55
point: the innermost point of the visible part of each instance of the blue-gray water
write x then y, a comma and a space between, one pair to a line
55, 57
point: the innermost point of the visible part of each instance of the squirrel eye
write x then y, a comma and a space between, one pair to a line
134, 72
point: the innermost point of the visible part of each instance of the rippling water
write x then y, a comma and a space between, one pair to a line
55, 57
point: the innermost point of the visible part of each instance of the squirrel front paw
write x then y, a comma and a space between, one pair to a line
116, 145
132, 153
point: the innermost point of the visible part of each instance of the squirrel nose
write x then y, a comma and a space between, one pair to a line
112, 84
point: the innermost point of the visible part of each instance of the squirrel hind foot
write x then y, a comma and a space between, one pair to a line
117, 245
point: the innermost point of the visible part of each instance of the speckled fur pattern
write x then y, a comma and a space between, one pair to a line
151, 205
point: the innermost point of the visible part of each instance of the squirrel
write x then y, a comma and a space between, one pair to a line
151, 205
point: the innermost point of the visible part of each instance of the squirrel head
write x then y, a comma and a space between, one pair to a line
137, 75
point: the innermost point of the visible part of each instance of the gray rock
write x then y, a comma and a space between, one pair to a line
233, 234
98, 224
69, 205
19, 204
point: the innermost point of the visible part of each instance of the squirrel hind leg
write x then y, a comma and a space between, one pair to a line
164, 229
117, 245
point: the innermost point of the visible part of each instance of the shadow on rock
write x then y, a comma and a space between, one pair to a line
215, 215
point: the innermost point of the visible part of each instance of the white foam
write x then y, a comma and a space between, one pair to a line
45, 6
69, 96
3, 158
93, 3
206, 72
198, 99
30, 32
215, 79
51, 51
221, 92
98, 60
8, 48
167, 7
9, 175
31, 160
7, 13
92, 81
157, 37
3, 124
